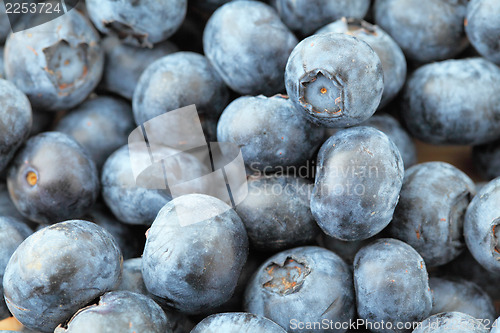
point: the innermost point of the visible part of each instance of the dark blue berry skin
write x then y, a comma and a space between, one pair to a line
249, 45
2, 67
58, 270
431, 211
59, 69
439, 107
269, 131
345, 249
130, 203
460, 295
132, 277
7, 207
194, 266
483, 28
139, 23
15, 120
276, 213
133, 204
130, 239
191, 80
427, 30
358, 178
101, 125
125, 64
241, 322
466, 267
456, 322
5, 27
179, 322
12, 233
306, 16
132, 281
486, 159
480, 226
393, 129
390, 54
52, 178
305, 284
42, 121
235, 303
208, 5
119, 311
335, 80
391, 284
189, 37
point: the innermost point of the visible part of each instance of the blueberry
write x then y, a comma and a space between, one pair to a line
390, 54
12, 233
191, 80
270, 133
130, 239
101, 125
481, 220
306, 16
139, 23
305, 284
56, 68
391, 283
5, 27
133, 203
7, 207
194, 253
42, 121
235, 303
431, 210
393, 129
248, 45
15, 120
426, 30
276, 213
208, 5
483, 28
119, 311
7, 22
456, 322
189, 37
237, 322
454, 102
179, 322
486, 159
460, 295
132, 277
345, 249
334, 79
466, 267
2, 67
125, 64
480, 185
58, 270
132, 281
52, 178
358, 179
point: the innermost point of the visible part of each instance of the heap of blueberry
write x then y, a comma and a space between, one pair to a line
301, 196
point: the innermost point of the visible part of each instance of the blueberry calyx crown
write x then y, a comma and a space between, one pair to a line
322, 93
286, 278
